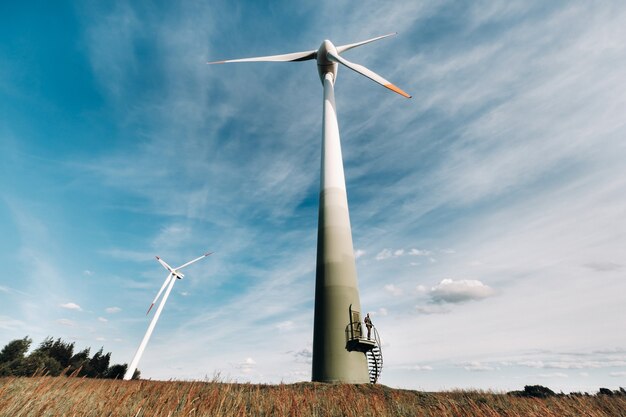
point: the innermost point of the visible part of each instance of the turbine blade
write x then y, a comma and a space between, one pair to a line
344, 48
195, 260
293, 57
167, 280
368, 73
165, 265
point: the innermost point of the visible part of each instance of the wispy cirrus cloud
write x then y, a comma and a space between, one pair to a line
9, 323
511, 154
504, 158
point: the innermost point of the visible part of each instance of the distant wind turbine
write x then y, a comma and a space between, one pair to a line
169, 283
337, 303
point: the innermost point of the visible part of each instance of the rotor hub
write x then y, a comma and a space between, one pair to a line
324, 64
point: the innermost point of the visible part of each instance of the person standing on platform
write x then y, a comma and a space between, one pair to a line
368, 324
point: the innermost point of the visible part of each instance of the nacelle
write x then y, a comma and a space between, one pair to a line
325, 65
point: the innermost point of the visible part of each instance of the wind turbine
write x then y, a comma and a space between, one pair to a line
172, 276
336, 289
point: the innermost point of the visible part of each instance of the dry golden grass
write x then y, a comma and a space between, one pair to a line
62, 396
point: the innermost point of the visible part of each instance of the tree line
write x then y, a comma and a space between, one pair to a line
56, 357
539, 391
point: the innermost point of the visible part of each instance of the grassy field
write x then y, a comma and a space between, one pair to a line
62, 396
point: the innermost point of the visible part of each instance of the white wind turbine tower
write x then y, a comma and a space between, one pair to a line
173, 275
338, 345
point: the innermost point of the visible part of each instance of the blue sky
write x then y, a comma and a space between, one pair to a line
487, 212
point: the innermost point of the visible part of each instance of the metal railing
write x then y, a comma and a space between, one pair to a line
354, 331
376, 365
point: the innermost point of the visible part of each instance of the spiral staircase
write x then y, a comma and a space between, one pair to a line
371, 347
375, 359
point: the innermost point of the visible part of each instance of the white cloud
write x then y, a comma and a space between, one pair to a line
112, 310
617, 374
384, 254
451, 291
358, 253
100, 339
383, 311
475, 366
393, 290
87, 272
553, 375
419, 368
102, 319
580, 361
246, 366
532, 364
66, 322
419, 252
565, 365
71, 306
388, 253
